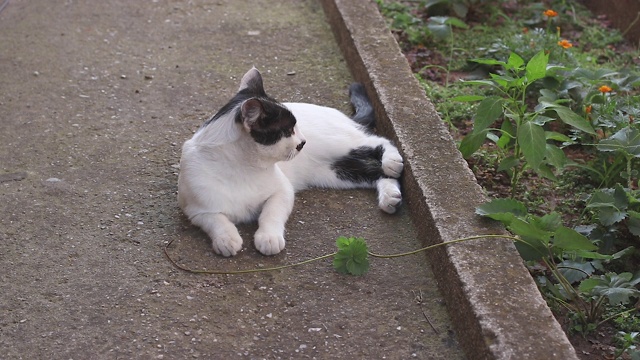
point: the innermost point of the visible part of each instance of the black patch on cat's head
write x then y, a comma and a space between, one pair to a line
266, 120
360, 165
262, 116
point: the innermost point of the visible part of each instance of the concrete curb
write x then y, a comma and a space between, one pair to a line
493, 302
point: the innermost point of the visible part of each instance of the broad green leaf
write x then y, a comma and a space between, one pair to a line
489, 62
514, 62
552, 135
460, 9
530, 232
549, 222
537, 67
489, 110
592, 255
472, 142
468, 98
438, 30
609, 198
481, 83
571, 118
531, 251
507, 134
626, 140
456, 22
610, 216
575, 271
533, 144
497, 206
508, 163
633, 223
569, 239
546, 172
556, 157
616, 288
588, 284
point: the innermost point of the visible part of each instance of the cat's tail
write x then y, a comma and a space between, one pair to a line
364, 114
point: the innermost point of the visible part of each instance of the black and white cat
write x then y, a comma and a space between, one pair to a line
246, 162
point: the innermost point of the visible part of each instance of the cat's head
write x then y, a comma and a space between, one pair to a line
270, 124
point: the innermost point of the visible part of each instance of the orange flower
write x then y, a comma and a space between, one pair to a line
588, 109
550, 13
565, 44
604, 89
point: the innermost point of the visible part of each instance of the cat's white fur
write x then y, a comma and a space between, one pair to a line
227, 178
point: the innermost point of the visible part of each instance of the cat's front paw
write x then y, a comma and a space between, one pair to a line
392, 164
389, 195
227, 244
269, 243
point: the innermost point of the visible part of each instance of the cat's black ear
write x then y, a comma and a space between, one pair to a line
251, 111
252, 82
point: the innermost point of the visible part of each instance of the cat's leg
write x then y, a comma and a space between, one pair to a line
269, 239
392, 163
389, 195
224, 235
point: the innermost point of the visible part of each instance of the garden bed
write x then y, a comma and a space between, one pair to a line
543, 101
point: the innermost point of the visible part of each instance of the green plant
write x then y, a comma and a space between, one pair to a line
625, 142
628, 342
569, 257
521, 132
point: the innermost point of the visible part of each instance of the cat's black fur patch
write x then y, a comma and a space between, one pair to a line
364, 114
361, 165
274, 123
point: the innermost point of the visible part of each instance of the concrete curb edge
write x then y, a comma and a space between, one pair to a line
494, 304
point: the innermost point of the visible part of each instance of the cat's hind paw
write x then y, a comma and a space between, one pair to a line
268, 243
228, 244
392, 164
389, 195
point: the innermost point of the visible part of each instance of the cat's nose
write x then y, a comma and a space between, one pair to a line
301, 145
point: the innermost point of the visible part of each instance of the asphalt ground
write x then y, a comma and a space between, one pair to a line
96, 98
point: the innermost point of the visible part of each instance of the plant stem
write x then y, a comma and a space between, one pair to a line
390, 256
246, 271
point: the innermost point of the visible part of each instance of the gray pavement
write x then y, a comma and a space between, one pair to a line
96, 98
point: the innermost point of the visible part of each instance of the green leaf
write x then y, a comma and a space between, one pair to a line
549, 222
532, 142
531, 233
468, 98
508, 163
514, 62
546, 172
489, 62
555, 156
500, 206
633, 223
569, 239
456, 22
352, 256
489, 110
537, 67
616, 288
552, 135
626, 140
571, 118
575, 271
507, 134
472, 142
439, 27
